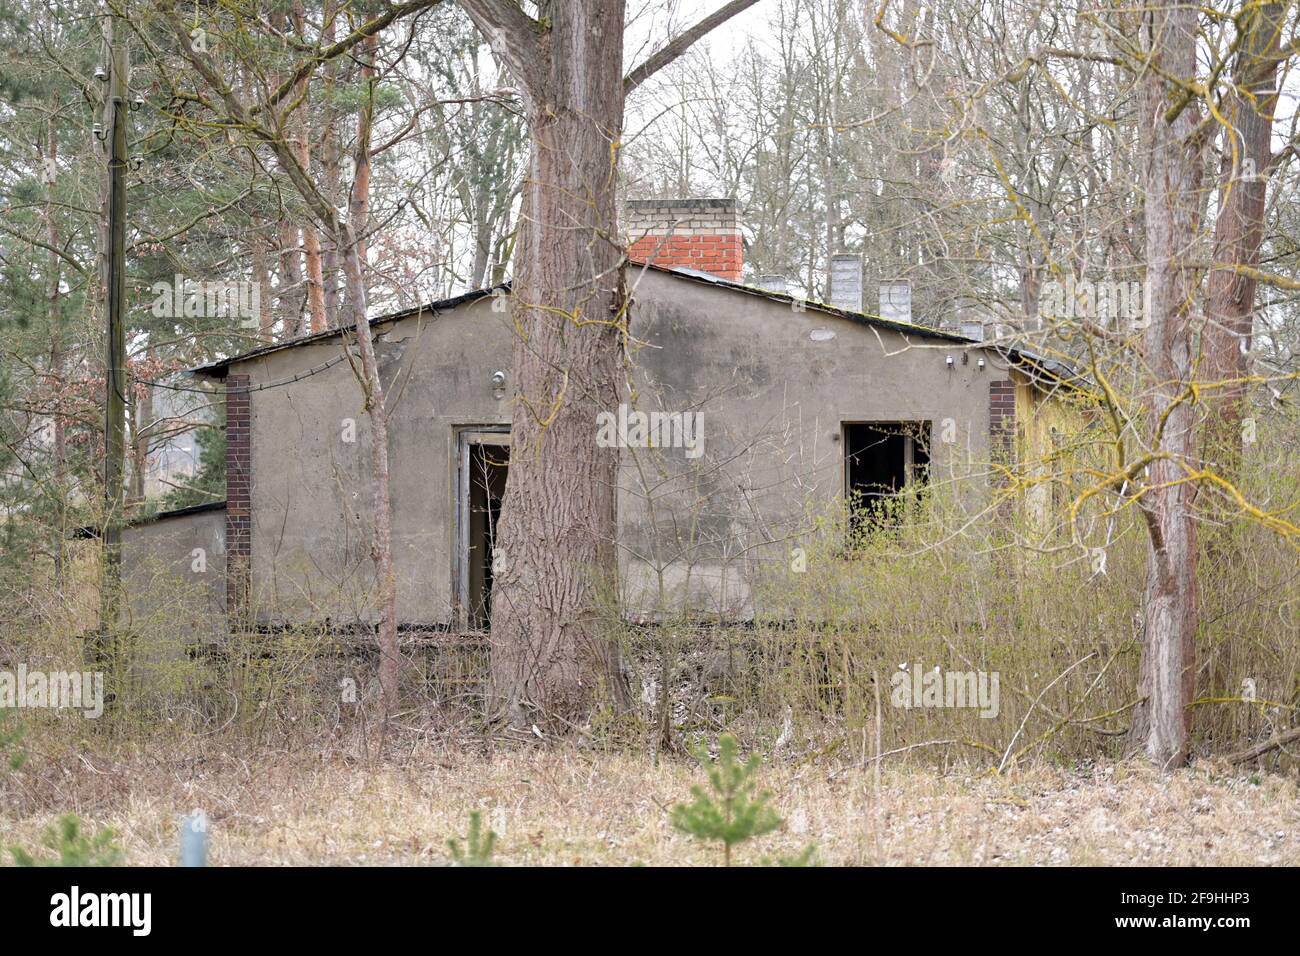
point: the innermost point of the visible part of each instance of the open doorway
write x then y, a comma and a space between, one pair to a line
880, 460
484, 466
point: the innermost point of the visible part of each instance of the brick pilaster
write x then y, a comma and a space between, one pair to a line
1002, 421
239, 480
1002, 440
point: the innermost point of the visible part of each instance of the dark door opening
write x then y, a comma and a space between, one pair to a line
880, 460
486, 464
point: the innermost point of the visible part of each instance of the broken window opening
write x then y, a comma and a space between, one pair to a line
881, 461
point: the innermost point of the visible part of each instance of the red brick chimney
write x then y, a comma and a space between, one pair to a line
698, 234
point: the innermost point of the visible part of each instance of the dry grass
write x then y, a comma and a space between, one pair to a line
570, 807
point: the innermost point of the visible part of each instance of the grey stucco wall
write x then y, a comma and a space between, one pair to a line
311, 487
174, 576
772, 385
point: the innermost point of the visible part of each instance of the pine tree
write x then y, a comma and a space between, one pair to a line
733, 812
478, 844
73, 846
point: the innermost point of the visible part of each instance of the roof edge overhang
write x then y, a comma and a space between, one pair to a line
1058, 372
219, 369
862, 318
93, 531
1043, 369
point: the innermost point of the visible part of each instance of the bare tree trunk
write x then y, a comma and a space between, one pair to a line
381, 550
556, 534
291, 296
310, 237
262, 277
1172, 158
57, 360
142, 415
290, 300
482, 242
330, 277
330, 154
349, 239
315, 270
1239, 230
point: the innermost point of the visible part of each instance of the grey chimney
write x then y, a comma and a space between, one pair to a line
846, 281
774, 283
896, 300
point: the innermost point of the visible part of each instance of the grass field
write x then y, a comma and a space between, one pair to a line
564, 806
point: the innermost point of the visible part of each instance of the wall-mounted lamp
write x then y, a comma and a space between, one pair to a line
949, 361
498, 384
981, 362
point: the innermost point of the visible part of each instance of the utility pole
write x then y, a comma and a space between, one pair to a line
112, 130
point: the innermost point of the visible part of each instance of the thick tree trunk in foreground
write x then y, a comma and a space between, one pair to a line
556, 550
556, 536
1239, 230
1172, 164
558, 517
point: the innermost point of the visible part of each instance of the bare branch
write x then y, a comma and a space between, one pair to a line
513, 36
682, 43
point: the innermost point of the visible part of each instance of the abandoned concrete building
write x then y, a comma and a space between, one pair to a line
758, 407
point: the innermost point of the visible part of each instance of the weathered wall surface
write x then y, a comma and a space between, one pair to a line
311, 464
174, 574
772, 386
